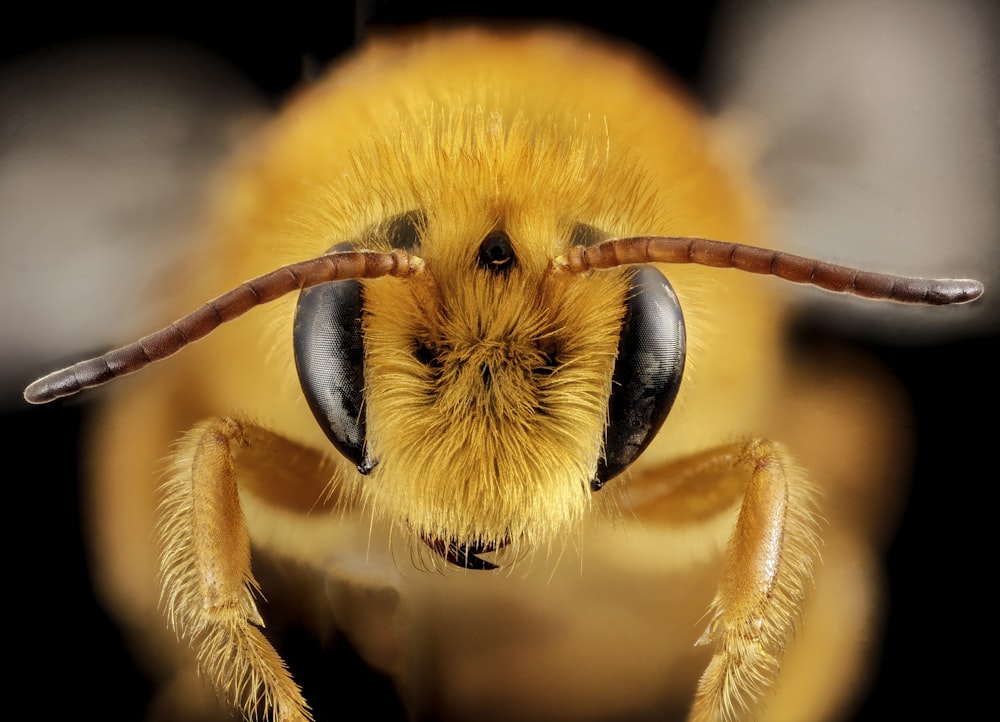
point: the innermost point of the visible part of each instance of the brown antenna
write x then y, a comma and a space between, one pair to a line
230, 305
797, 269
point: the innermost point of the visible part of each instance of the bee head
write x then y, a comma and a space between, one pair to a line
487, 401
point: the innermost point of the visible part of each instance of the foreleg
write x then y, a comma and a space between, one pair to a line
207, 586
767, 568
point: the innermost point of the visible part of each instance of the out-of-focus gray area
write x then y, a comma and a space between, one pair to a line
877, 126
105, 150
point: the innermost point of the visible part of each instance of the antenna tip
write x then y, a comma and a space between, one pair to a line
54, 386
34, 393
963, 290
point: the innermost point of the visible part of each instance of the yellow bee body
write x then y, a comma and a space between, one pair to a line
555, 138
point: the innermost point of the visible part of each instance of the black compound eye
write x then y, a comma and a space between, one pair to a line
648, 371
329, 358
496, 253
330, 350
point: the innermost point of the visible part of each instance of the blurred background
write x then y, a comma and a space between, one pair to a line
876, 124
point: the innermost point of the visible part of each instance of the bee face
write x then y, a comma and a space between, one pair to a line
555, 386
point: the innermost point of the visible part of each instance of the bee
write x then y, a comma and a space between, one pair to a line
498, 374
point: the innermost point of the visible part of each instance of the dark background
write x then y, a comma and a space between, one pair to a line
938, 563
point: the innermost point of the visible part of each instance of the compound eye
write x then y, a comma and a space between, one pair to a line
329, 344
329, 358
648, 371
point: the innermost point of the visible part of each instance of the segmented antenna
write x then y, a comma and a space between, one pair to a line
797, 269
230, 305
609, 254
